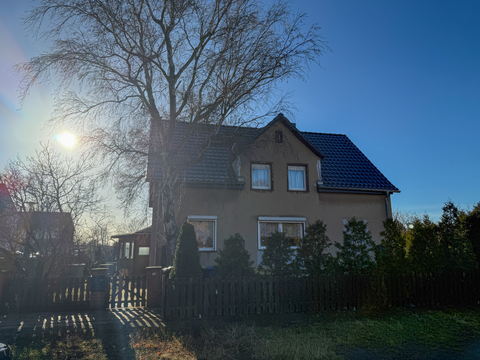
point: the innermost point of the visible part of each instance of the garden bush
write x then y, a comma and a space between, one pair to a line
233, 259
186, 262
311, 255
277, 256
355, 255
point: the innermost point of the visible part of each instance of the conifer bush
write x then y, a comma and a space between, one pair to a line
392, 256
277, 256
233, 259
356, 252
311, 255
186, 262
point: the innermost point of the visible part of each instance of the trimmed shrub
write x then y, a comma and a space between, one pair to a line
311, 256
186, 262
233, 259
355, 256
277, 256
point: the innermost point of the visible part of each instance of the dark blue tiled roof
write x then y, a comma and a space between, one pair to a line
344, 165
215, 164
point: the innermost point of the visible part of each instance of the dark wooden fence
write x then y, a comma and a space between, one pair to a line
22, 295
126, 291
55, 294
195, 297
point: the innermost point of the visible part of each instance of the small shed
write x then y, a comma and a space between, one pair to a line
133, 252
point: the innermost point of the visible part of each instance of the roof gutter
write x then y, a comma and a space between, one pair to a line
348, 190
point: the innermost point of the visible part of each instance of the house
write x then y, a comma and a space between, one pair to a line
133, 251
8, 228
276, 178
36, 241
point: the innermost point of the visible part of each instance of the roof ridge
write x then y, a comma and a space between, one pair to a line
322, 133
232, 126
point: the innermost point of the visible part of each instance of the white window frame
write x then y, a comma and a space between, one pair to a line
206, 218
280, 221
144, 247
301, 168
131, 248
258, 166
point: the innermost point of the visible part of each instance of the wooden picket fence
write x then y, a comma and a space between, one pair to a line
196, 297
55, 294
22, 295
126, 291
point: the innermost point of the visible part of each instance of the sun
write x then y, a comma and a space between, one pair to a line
66, 139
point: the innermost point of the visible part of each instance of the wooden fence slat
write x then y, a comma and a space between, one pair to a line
206, 297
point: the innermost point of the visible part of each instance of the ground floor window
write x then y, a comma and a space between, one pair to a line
292, 227
205, 231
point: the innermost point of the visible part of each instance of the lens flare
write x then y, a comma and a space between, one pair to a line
66, 139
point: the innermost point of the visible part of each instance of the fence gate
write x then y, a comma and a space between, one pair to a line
126, 291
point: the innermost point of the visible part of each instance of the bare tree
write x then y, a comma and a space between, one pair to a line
53, 194
161, 62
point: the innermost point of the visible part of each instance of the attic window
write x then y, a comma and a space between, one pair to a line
278, 136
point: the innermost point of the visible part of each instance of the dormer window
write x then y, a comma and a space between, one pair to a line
297, 177
262, 176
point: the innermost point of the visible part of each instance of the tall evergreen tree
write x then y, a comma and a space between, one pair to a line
458, 250
425, 252
472, 223
391, 257
186, 262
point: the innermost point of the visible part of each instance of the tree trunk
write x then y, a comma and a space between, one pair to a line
169, 223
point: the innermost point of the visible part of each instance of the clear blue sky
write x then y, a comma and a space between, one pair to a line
402, 81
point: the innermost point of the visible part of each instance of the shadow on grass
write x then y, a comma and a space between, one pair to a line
114, 336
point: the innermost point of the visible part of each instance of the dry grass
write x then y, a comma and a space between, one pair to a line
324, 336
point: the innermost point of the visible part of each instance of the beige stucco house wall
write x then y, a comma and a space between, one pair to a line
239, 211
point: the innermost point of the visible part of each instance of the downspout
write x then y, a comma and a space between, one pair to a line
386, 204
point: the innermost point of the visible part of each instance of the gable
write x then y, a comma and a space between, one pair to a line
290, 149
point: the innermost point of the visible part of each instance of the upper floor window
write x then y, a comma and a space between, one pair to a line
297, 178
205, 231
262, 176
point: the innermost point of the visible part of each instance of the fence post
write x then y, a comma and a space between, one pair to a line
98, 289
3, 285
154, 286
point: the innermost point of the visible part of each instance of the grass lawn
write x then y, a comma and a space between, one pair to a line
332, 335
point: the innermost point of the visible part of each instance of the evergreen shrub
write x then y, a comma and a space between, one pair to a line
186, 262
233, 259
277, 256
